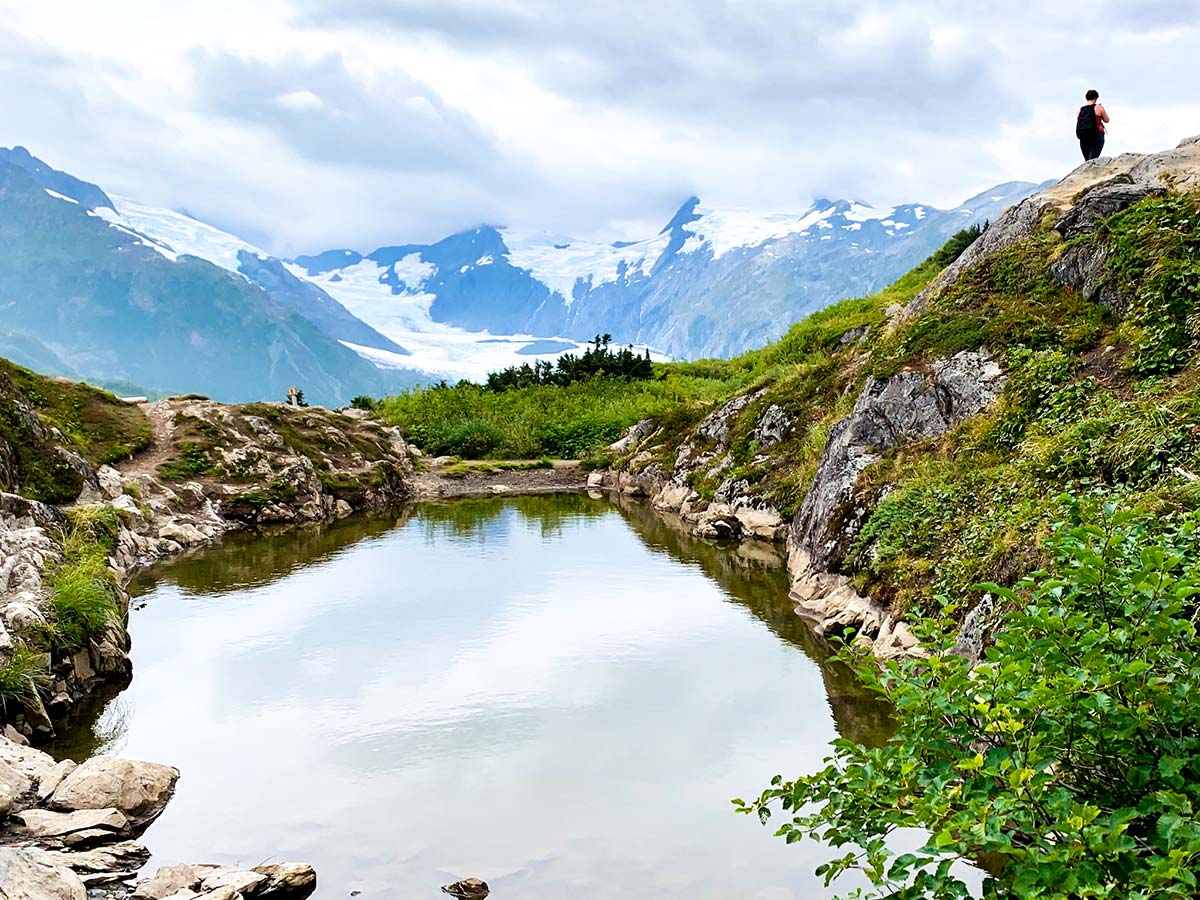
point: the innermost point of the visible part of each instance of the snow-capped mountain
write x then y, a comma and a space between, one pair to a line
139, 293
86, 293
712, 282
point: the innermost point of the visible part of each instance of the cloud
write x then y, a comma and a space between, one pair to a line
383, 119
363, 122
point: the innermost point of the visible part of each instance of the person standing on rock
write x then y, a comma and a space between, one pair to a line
1089, 127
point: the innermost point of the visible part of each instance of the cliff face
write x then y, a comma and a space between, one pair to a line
915, 443
94, 488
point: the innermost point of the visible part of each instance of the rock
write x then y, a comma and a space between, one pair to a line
47, 823
240, 880
772, 427
126, 856
7, 800
27, 874
13, 781
342, 508
500, 489
53, 778
286, 881
182, 533
166, 881
718, 426
632, 436
889, 412
467, 889
720, 526
595, 479
28, 761
138, 789
1099, 202
15, 736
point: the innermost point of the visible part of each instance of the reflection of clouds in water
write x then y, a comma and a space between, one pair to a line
564, 717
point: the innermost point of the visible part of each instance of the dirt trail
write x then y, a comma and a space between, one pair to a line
162, 424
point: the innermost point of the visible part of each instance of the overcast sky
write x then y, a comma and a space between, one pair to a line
310, 124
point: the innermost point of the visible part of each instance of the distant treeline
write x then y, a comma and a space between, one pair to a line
599, 360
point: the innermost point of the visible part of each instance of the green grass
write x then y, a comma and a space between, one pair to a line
21, 674
462, 468
83, 590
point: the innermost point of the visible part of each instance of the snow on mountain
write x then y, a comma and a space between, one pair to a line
561, 263
179, 234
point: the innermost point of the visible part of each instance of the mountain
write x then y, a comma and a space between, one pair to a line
712, 282
84, 293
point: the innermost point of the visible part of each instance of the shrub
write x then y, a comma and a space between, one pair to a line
1068, 758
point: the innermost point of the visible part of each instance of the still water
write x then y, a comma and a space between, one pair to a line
554, 694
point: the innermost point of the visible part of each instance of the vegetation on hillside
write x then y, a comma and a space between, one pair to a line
583, 416
75, 416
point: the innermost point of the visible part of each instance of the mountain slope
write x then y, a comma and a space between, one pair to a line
110, 304
711, 283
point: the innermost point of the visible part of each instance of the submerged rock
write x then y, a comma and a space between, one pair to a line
467, 889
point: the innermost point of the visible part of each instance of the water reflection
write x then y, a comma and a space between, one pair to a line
547, 692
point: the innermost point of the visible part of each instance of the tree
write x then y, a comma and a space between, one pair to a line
1068, 758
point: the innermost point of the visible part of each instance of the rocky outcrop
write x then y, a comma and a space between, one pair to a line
70, 834
889, 412
1095, 190
910, 406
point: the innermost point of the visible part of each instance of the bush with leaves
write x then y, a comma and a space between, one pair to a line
1067, 761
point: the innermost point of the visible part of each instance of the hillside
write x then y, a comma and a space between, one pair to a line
84, 295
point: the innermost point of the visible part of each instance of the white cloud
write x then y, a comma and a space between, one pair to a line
314, 123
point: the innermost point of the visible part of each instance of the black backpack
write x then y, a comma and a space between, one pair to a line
1085, 125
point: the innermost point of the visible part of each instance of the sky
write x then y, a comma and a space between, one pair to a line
305, 125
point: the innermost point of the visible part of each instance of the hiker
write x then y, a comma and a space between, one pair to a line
1089, 127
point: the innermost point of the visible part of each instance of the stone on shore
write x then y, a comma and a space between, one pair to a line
138, 789
27, 874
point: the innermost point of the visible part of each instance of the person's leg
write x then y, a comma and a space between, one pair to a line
1099, 146
1086, 146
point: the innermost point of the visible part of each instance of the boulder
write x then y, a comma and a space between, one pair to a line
138, 789
27, 874
125, 857
286, 881
595, 479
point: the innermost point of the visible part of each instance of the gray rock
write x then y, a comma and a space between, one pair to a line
889, 412
48, 823
718, 426
27, 874
240, 880
138, 789
772, 427
1106, 199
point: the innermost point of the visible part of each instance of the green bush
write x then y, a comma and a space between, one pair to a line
83, 591
1068, 759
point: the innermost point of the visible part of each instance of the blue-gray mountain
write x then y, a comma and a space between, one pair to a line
711, 283
85, 296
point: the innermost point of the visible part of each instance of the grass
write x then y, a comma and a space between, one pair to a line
462, 468
21, 674
83, 590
